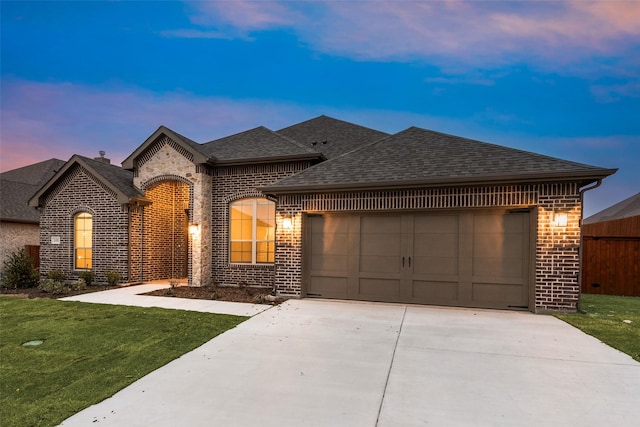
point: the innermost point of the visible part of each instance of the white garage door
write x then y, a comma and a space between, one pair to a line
471, 259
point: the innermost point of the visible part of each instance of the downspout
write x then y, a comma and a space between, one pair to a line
584, 190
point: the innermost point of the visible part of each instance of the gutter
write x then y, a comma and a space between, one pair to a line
582, 191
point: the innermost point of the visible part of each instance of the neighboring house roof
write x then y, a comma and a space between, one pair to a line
419, 157
257, 145
18, 185
115, 178
625, 209
331, 137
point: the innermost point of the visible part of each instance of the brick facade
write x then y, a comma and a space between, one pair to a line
82, 192
556, 248
234, 183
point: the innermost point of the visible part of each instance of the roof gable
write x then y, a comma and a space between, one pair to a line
256, 145
116, 179
189, 146
420, 157
331, 137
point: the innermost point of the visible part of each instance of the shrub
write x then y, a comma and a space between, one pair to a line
51, 286
57, 275
79, 285
113, 277
19, 272
88, 277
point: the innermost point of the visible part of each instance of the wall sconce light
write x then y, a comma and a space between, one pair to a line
560, 220
287, 223
194, 229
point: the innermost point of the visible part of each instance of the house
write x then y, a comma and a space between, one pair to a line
611, 250
330, 209
19, 223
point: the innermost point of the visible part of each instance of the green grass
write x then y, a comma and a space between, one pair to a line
604, 318
90, 351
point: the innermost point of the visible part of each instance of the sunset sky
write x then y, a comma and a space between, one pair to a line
557, 78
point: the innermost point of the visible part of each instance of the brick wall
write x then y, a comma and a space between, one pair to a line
556, 266
79, 192
14, 236
234, 183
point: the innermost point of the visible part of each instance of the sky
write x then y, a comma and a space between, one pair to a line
560, 78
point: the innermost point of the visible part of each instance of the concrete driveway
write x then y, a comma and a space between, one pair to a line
329, 363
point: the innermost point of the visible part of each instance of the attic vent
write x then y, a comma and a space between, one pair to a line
319, 142
102, 158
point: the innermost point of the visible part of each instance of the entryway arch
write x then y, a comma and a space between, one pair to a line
165, 246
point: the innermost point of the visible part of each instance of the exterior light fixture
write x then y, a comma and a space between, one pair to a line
194, 229
560, 220
287, 223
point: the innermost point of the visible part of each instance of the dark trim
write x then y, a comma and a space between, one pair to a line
584, 178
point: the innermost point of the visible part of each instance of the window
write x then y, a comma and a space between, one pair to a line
83, 227
252, 224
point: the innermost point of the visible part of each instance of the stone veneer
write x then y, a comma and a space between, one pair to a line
165, 162
556, 249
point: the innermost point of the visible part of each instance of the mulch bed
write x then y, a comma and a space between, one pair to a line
245, 294
37, 293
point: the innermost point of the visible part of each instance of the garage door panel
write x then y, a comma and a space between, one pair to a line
329, 224
435, 292
329, 263
435, 224
431, 244
498, 223
385, 288
336, 244
380, 224
499, 296
496, 245
379, 264
497, 267
328, 287
380, 244
435, 265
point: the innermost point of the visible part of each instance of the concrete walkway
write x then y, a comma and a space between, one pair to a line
130, 295
333, 363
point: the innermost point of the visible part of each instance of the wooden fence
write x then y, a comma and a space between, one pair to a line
611, 257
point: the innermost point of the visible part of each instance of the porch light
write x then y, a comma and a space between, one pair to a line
560, 220
287, 223
194, 229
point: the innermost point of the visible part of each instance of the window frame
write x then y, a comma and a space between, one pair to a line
255, 202
86, 216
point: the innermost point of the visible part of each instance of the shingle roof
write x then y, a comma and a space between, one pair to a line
420, 157
18, 185
256, 145
119, 180
627, 208
331, 137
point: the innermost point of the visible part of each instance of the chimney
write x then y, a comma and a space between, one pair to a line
102, 158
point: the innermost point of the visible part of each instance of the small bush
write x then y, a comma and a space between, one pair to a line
88, 277
79, 285
113, 277
51, 286
57, 275
19, 272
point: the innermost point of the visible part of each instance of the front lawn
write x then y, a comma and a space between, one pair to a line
89, 352
613, 320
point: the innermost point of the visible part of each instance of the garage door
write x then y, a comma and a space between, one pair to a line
471, 259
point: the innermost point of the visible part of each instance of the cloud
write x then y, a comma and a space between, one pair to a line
45, 120
456, 35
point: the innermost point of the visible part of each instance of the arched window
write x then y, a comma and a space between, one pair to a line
252, 224
83, 241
